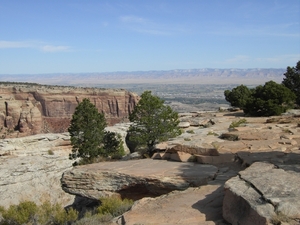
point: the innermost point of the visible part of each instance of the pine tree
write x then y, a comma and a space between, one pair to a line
152, 122
87, 131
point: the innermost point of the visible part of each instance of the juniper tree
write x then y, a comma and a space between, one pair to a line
88, 136
152, 122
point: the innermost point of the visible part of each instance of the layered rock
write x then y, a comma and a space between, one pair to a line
262, 194
135, 178
260, 139
33, 109
31, 168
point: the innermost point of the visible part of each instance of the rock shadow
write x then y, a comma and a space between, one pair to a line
211, 206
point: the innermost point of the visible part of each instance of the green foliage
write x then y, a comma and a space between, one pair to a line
212, 133
152, 122
237, 123
114, 206
190, 131
269, 100
28, 212
50, 152
88, 138
20, 214
292, 80
56, 214
86, 131
238, 96
113, 145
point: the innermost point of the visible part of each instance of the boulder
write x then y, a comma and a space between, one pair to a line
262, 194
184, 125
135, 178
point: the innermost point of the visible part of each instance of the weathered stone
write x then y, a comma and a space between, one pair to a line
34, 178
195, 150
184, 124
193, 206
181, 156
260, 194
156, 155
223, 158
138, 178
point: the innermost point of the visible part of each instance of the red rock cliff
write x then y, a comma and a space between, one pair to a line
33, 109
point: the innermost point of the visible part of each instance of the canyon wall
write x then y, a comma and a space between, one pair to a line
27, 109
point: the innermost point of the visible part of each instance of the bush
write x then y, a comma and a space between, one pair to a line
268, 100
237, 123
28, 212
114, 206
20, 214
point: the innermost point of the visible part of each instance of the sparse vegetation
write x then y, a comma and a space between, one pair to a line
50, 152
27, 212
212, 133
187, 139
190, 131
114, 206
238, 123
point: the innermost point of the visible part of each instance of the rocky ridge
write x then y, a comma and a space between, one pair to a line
34, 109
274, 140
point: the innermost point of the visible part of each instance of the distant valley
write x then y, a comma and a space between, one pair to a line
191, 76
183, 90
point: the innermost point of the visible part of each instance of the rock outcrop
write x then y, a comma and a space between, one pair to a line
34, 109
262, 194
31, 169
135, 178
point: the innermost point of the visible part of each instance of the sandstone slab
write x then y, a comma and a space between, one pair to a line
135, 178
33, 178
261, 194
193, 206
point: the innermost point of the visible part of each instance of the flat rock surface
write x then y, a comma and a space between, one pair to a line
262, 193
201, 205
135, 177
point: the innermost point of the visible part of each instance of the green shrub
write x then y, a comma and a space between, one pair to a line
114, 206
20, 214
187, 139
28, 212
190, 131
50, 152
212, 133
237, 123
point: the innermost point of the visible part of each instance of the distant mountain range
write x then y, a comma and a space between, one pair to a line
187, 76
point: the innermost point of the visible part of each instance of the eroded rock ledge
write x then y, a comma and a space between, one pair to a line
135, 179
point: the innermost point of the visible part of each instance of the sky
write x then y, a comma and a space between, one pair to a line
86, 36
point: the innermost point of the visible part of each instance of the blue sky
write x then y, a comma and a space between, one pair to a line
74, 36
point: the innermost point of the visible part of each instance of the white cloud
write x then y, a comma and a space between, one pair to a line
52, 48
15, 44
33, 45
142, 25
